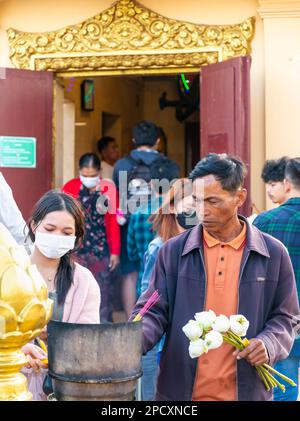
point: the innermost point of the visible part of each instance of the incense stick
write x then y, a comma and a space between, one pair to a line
150, 303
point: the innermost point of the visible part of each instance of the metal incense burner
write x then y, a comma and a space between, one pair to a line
94, 362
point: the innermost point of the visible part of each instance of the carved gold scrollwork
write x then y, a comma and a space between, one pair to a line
151, 41
155, 61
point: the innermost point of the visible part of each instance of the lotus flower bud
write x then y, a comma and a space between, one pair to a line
206, 319
213, 339
192, 330
221, 324
197, 348
239, 324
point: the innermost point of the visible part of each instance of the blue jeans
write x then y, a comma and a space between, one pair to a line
150, 372
289, 368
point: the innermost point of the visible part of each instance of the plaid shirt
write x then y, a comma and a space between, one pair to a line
139, 237
283, 223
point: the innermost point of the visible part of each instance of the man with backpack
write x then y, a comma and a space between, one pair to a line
132, 175
140, 230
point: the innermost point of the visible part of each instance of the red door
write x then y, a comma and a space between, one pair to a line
225, 112
26, 112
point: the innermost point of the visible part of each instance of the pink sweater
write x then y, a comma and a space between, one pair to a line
81, 306
83, 299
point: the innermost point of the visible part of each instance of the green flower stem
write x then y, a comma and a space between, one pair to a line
261, 374
236, 337
272, 379
287, 379
231, 337
281, 386
273, 382
269, 379
232, 342
264, 369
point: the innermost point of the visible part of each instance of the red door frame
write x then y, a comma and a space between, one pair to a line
26, 110
225, 112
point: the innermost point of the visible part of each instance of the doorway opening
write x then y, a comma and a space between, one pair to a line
117, 103
113, 105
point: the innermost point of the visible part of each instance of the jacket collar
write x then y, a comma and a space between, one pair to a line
292, 201
254, 239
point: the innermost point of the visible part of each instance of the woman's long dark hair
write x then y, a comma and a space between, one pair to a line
51, 202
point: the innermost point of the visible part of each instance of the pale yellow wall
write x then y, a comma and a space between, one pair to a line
46, 15
283, 87
133, 100
173, 129
258, 140
282, 77
122, 97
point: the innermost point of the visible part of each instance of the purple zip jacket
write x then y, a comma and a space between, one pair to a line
267, 297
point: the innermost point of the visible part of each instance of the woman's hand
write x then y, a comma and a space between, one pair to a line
35, 356
113, 262
44, 334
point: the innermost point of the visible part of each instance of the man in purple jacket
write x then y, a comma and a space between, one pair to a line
265, 288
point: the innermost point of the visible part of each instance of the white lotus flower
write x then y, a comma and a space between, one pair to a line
197, 348
221, 324
213, 339
206, 319
239, 324
192, 330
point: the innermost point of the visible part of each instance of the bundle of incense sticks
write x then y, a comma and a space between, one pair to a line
150, 303
44, 348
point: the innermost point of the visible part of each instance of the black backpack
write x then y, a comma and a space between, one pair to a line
140, 175
138, 183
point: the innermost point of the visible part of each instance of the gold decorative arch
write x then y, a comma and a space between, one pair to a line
128, 38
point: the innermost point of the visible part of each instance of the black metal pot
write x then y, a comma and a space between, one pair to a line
94, 362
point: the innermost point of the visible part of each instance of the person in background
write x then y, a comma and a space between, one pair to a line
273, 176
226, 265
56, 228
109, 152
283, 224
10, 215
140, 232
100, 249
135, 166
175, 215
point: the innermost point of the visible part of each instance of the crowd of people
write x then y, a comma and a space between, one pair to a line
182, 237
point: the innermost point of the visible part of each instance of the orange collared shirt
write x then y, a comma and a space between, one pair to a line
216, 371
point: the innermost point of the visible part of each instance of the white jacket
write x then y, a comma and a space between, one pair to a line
10, 215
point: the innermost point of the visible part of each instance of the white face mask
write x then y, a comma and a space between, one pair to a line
54, 246
89, 182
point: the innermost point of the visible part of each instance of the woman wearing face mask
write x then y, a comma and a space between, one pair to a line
101, 246
56, 227
176, 214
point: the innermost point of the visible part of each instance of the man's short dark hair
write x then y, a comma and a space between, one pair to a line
229, 170
145, 133
104, 142
274, 169
292, 172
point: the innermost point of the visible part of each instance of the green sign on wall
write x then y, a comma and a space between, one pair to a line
17, 152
